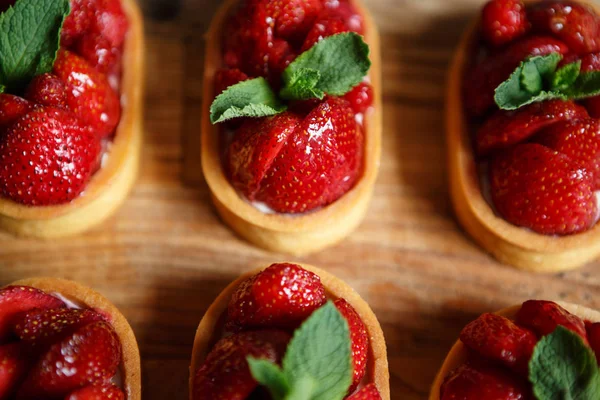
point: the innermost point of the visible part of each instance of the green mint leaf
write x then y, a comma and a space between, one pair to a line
302, 390
342, 60
271, 376
302, 85
320, 349
252, 98
586, 85
564, 367
566, 76
30, 40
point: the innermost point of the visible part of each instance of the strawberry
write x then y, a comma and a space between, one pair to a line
46, 157
478, 382
13, 366
589, 62
99, 53
225, 373
110, 22
499, 339
503, 21
292, 19
593, 335
16, 299
281, 296
78, 21
228, 77
89, 356
89, 94
360, 340
579, 140
507, 128
535, 187
368, 392
360, 97
47, 90
574, 23
346, 11
542, 317
323, 28
11, 109
104, 392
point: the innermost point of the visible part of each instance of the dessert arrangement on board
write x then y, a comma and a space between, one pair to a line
289, 329
70, 112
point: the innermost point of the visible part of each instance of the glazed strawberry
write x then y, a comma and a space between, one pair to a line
360, 98
368, 392
345, 11
503, 21
589, 62
11, 109
16, 299
91, 355
360, 340
47, 90
12, 369
574, 23
281, 296
228, 77
99, 53
579, 140
542, 317
225, 373
499, 339
78, 22
593, 335
89, 94
535, 187
46, 157
323, 28
292, 19
109, 21
478, 382
507, 128
104, 392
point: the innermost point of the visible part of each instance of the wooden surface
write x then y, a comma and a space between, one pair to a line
165, 255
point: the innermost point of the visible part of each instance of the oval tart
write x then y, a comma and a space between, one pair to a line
109, 186
377, 369
89, 298
458, 353
304, 233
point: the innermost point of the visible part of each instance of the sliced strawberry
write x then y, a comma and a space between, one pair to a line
46, 157
360, 98
542, 317
88, 357
225, 373
499, 339
47, 90
78, 22
13, 366
507, 128
281, 296
360, 341
537, 188
16, 299
593, 335
11, 109
323, 28
503, 21
368, 392
228, 77
292, 19
104, 392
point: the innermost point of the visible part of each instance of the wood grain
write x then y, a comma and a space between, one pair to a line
165, 255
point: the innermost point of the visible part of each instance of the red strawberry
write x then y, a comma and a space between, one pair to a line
16, 299
225, 373
78, 22
104, 392
48, 90
589, 62
89, 94
281, 296
99, 53
292, 19
323, 28
499, 339
90, 356
503, 21
228, 77
578, 139
360, 98
542, 317
46, 158
110, 22
11, 109
470, 382
574, 23
507, 128
13, 366
593, 335
346, 11
360, 340
537, 188
368, 392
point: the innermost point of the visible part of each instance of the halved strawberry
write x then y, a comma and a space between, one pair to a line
225, 373
47, 90
538, 188
542, 317
345, 10
324, 27
13, 366
360, 97
593, 335
110, 22
281, 296
228, 77
503, 21
292, 19
368, 392
78, 22
11, 109
360, 341
104, 392
100, 53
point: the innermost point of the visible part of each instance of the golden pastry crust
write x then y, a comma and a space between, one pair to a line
109, 187
290, 234
377, 369
458, 353
79, 294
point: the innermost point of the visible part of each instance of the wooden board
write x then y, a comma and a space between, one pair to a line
165, 256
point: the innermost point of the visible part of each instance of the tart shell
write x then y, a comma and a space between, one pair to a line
377, 369
89, 298
305, 233
458, 353
109, 186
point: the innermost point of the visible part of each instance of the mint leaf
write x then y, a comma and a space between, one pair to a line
342, 60
269, 375
30, 40
564, 367
302, 390
320, 349
251, 98
586, 85
566, 76
302, 85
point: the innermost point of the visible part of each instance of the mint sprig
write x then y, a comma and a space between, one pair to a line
30, 40
317, 364
539, 78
